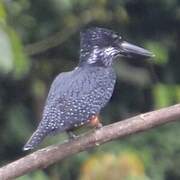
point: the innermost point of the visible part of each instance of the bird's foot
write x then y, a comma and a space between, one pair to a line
71, 135
95, 122
99, 125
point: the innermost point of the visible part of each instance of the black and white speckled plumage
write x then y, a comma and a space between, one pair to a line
76, 96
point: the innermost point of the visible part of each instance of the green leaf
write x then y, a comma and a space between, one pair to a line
6, 54
21, 63
12, 57
2, 13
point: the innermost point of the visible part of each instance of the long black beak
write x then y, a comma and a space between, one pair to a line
130, 50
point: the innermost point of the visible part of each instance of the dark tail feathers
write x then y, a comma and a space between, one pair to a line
34, 140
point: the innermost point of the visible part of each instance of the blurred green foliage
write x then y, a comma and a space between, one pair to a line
40, 39
13, 59
126, 165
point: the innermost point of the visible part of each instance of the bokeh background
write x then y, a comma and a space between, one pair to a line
39, 39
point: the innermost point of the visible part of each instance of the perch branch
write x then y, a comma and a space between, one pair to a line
52, 154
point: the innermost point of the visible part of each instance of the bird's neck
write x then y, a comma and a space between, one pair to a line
96, 57
95, 64
91, 61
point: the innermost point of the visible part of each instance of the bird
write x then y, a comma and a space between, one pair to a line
76, 97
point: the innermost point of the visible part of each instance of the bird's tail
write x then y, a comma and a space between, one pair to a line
34, 140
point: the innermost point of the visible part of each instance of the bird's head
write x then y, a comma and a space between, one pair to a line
101, 46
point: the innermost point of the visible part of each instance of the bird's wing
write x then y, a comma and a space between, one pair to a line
73, 84
58, 86
82, 83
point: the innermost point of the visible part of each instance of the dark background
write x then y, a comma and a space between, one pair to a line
39, 39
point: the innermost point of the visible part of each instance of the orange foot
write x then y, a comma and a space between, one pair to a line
95, 121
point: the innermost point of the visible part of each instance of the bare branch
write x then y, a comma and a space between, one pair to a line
47, 156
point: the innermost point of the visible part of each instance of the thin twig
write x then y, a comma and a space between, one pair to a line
52, 154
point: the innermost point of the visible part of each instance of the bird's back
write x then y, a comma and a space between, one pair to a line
76, 96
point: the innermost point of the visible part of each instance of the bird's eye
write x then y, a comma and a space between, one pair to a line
116, 37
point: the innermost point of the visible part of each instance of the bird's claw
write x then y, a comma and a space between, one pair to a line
72, 136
